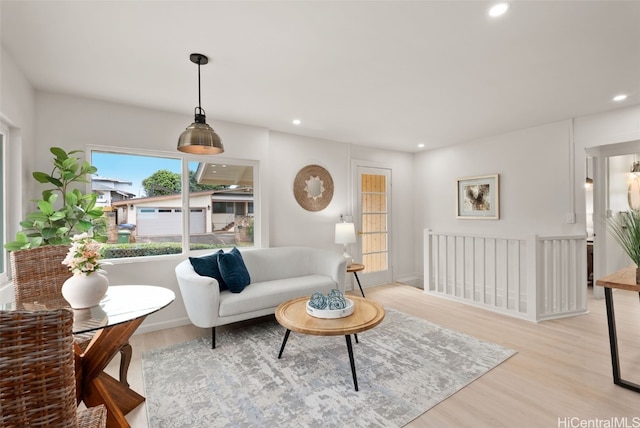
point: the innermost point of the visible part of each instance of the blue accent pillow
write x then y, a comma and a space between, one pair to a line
233, 270
208, 266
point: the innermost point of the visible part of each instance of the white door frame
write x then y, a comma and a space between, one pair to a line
601, 211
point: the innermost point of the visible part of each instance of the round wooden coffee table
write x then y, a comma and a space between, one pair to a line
293, 316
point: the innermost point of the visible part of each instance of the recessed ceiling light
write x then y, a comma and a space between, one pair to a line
421, 145
620, 97
296, 121
498, 9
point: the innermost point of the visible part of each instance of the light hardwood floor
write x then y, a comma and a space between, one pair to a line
560, 376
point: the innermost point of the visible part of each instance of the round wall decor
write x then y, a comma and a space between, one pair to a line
313, 188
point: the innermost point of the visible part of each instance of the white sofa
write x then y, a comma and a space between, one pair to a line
277, 275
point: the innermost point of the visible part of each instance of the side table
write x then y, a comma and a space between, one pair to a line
355, 268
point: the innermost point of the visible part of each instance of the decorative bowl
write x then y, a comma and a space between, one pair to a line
331, 313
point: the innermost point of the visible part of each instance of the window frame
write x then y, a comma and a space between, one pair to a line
4, 130
185, 159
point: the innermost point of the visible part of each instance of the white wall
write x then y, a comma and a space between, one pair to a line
17, 111
290, 224
611, 127
17, 108
535, 184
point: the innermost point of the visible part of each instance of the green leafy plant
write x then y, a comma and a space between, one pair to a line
76, 213
625, 229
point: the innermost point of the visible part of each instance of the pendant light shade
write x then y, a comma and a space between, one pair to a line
199, 138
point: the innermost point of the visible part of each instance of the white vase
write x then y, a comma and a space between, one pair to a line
85, 291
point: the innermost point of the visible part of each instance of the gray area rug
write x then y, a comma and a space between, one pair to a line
404, 367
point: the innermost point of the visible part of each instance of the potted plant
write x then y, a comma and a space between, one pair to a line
37, 253
625, 229
55, 224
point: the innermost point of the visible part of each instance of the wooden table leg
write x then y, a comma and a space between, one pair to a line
97, 387
126, 352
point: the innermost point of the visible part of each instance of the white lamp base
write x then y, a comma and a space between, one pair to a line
347, 256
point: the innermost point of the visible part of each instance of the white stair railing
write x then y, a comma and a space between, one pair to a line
533, 277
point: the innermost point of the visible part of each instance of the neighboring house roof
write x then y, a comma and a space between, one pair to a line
100, 186
223, 196
112, 180
103, 184
159, 198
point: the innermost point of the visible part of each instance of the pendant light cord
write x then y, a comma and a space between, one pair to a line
200, 114
199, 99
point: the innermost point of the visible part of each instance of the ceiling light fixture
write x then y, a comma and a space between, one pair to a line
620, 97
199, 138
421, 145
588, 183
498, 9
296, 121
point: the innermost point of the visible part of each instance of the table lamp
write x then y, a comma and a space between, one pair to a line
345, 235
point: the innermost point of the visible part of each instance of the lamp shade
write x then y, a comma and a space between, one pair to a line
345, 233
201, 139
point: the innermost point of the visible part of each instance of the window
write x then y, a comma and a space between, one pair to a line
143, 199
222, 207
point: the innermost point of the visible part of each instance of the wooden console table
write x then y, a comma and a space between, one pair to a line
624, 279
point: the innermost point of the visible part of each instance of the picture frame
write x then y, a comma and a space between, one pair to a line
478, 197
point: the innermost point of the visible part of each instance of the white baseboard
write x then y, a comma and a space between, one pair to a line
414, 281
162, 325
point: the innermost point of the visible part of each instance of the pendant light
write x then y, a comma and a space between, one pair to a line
199, 138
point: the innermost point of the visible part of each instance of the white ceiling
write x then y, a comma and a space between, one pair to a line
377, 73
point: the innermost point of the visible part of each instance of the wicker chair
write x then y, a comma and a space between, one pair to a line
37, 372
39, 273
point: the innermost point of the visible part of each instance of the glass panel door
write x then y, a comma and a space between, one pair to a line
374, 196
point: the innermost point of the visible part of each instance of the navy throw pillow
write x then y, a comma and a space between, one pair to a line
233, 270
208, 266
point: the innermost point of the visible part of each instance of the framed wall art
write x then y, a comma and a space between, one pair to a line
478, 197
